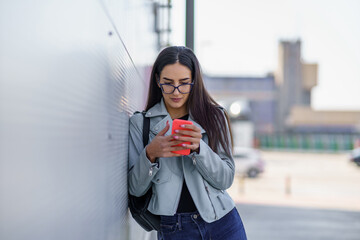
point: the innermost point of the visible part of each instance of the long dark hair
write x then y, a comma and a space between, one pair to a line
203, 108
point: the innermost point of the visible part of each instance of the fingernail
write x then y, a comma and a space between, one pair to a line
184, 145
182, 126
176, 131
176, 137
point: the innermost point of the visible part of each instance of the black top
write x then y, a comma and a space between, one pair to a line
186, 203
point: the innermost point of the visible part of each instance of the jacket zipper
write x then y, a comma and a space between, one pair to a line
207, 191
222, 204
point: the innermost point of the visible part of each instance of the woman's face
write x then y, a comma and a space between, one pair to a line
176, 75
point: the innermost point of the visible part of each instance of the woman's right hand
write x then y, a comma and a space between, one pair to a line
161, 146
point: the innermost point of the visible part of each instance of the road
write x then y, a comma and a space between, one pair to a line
301, 196
265, 222
326, 181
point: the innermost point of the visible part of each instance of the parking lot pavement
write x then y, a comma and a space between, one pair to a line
264, 222
313, 180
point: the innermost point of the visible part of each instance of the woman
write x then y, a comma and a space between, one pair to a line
188, 191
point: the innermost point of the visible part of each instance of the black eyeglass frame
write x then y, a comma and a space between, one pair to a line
161, 87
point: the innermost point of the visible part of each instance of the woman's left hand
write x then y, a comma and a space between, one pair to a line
194, 136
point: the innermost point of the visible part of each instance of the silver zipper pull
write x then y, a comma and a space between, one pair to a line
150, 171
194, 160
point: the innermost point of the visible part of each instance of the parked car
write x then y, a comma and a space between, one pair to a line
355, 156
248, 162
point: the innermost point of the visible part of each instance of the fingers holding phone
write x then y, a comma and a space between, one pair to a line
184, 138
163, 146
190, 135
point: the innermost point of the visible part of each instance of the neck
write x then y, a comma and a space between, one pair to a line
177, 113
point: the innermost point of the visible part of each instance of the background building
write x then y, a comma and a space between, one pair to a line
305, 119
294, 79
277, 108
257, 97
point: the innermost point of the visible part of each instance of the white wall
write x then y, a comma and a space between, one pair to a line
71, 73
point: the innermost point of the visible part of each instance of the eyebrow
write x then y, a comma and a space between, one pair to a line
168, 79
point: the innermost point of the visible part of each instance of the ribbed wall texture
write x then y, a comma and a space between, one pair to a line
68, 84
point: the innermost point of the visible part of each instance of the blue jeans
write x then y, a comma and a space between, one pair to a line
192, 226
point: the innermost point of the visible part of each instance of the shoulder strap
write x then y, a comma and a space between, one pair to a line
146, 129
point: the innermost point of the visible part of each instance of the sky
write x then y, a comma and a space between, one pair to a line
241, 37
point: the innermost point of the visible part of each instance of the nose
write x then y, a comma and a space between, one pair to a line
176, 91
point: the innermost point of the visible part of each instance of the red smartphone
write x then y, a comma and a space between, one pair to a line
176, 126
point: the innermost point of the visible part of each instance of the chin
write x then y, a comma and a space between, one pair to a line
177, 105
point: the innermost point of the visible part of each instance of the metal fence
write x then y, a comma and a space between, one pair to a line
308, 142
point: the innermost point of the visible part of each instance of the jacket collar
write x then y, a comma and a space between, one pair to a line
159, 109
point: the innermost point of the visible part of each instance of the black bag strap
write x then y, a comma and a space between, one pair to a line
146, 129
138, 205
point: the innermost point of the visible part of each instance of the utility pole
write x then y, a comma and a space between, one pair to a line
189, 33
162, 16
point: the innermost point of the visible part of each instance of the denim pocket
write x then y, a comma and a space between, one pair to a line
168, 229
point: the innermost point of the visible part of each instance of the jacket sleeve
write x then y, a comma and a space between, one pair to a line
141, 170
218, 169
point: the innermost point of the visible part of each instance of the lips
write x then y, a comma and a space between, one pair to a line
176, 99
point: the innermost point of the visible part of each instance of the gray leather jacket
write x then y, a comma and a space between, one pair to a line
206, 173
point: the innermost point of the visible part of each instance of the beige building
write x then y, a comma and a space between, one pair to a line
294, 79
305, 117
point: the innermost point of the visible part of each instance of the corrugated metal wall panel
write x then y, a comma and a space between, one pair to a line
67, 88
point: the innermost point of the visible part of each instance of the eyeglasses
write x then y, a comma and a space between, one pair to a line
168, 88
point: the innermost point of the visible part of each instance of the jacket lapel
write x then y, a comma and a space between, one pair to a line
161, 125
157, 110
